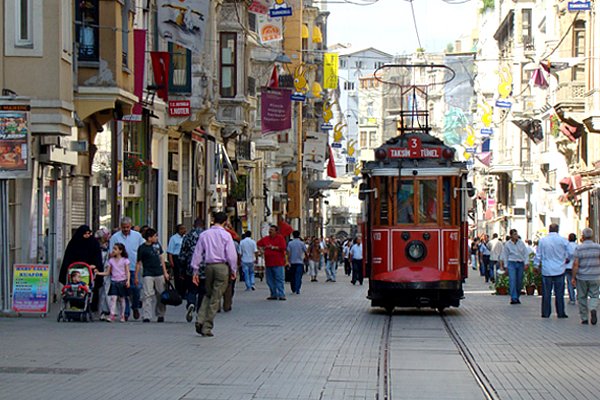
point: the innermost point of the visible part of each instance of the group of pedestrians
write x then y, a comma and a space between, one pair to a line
560, 261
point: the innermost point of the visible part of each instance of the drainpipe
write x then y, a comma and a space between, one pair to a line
4, 247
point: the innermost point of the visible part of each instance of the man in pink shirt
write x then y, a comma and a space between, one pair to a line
215, 246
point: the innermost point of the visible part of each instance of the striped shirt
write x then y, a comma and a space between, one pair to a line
588, 256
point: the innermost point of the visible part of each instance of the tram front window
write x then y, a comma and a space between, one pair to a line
406, 201
428, 204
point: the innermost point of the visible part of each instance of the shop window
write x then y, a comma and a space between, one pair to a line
87, 21
180, 69
228, 64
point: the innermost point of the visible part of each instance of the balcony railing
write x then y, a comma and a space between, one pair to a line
571, 92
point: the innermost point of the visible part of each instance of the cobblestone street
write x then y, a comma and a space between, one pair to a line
323, 344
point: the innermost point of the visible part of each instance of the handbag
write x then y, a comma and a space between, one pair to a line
170, 297
288, 273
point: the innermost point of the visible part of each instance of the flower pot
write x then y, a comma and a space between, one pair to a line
502, 291
539, 290
530, 290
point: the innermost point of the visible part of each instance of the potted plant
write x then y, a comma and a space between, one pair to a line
538, 280
501, 284
529, 281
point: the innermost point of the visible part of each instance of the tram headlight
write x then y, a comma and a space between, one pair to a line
416, 250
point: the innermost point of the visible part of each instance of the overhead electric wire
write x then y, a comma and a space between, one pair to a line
412, 9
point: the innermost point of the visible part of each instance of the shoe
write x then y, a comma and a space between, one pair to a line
546, 316
354, 283
146, 320
103, 317
123, 319
594, 317
189, 314
111, 318
514, 302
209, 334
566, 316
518, 301
198, 328
253, 288
584, 322
160, 319
226, 309
136, 313
298, 292
281, 298
271, 298
572, 302
333, 280
328, 280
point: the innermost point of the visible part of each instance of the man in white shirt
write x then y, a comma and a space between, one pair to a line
495, 246
248, 253
514, 255
552, 253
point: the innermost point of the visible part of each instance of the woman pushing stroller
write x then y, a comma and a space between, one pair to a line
118, 270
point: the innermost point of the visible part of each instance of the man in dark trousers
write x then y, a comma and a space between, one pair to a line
216, 248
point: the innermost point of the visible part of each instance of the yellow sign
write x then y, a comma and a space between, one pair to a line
505, 85
327, 113
330, 71
300, 83
351, 150
337, 132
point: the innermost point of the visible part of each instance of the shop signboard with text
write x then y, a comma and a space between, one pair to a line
15, 159
31, 286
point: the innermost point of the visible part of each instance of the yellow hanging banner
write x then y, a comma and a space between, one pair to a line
330, 71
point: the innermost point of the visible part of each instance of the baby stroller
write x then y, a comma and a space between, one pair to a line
77, 296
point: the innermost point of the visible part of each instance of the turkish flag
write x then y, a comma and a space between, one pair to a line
331, 172
160, 66
274, 81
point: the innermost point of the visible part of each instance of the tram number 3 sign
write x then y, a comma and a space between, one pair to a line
414, 150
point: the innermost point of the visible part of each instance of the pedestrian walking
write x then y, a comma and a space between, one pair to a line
552, 253
314, 258
173, 250
248, 253
274, 248
474, 253
514, 255
132, 240
495, 245
356, 256
83, 247
346, 253
485, 254
332, 259
151, 264
119, 273
194, 293
296, 250
103, 237
216, 249
586, 276
569, 267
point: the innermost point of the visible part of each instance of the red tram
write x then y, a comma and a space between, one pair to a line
415, 213
416, 224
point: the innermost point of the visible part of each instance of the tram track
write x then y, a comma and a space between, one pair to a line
384, 391
480, 377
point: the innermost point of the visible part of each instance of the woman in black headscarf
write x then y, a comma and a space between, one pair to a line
83, 247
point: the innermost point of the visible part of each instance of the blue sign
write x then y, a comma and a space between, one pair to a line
580, 5
470, 163
326, 127
486, 131
470, 150
350, 160
298, 97
503, 104
280, 12
336, 145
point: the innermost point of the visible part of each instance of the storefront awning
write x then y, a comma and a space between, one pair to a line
91, 99
323, 185
317, 36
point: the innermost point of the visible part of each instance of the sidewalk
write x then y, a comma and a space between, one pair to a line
525, 356
322, 344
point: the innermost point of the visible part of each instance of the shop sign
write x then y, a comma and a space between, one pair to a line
179, 108
15, 160
31, 284
580, 5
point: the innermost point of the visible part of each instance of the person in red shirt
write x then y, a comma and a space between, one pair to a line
273, 248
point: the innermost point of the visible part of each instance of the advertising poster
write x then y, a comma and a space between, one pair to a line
315, 149
183, 22
269, 29
330, 71
275, 110
31, 284
14, 142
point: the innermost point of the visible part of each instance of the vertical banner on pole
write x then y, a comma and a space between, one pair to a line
330, 71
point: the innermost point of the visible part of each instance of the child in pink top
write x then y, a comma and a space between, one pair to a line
118, 270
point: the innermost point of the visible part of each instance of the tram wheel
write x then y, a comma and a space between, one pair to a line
441, 310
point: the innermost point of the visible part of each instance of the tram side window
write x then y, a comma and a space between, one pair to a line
447, 195
428, 201
406, 201
384, 205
